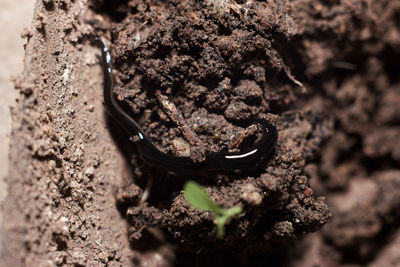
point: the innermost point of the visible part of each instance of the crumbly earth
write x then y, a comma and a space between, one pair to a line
324, 72
214, 70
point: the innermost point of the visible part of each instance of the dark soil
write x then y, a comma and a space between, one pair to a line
323, 72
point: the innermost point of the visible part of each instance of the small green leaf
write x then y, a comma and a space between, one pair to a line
232, 212
198, 198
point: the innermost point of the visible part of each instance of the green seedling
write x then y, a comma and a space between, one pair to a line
199, 199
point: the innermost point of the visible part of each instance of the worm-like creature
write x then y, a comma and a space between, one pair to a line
248, 159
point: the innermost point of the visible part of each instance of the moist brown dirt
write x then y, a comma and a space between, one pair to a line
324, 72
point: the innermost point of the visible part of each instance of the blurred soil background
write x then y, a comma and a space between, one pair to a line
14, 17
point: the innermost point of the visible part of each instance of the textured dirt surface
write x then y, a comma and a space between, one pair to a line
16, 16
324, 72
213, 69
59, 208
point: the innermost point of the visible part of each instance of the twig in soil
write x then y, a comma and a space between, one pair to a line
238, 140
293, 79
178, 119
288, 72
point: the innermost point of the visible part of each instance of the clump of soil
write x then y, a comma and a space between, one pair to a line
220, 71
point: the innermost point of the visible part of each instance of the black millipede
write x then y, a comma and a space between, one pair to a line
247, 159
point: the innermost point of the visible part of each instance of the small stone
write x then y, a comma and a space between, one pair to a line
251, 195
74, 184
89, 172
308, 192
181, 147
269, 182
52, 164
